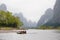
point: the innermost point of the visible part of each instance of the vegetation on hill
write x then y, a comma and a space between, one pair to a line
8, 20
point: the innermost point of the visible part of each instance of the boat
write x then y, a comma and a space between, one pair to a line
21, 32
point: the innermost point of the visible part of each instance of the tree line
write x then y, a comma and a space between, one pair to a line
8, 20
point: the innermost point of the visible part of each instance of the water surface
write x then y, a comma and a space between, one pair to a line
32, 34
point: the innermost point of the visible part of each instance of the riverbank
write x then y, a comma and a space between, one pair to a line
10, 31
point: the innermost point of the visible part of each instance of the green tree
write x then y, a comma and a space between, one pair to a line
8, 20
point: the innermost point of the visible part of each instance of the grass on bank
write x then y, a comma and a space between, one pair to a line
49, 27
11, 28
7, 28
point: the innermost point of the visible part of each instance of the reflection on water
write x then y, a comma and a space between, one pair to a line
32, 35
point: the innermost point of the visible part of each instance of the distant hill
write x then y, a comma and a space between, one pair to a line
46, 17
27, 24
3, 7
55, 21
22, 18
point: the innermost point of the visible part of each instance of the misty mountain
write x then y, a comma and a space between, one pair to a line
46, 17
3, 7
56, 17
32, 24
55, 21
25, 22
21, 17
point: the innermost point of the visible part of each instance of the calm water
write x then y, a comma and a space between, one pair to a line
32, 35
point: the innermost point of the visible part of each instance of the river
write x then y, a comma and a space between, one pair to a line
32, 34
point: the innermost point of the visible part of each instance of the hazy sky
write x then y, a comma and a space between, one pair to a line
31, 9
